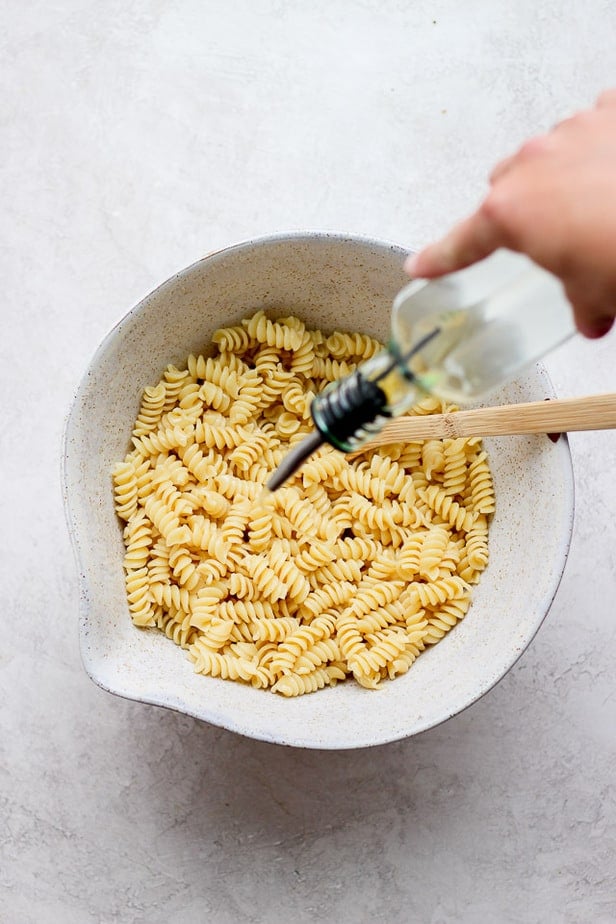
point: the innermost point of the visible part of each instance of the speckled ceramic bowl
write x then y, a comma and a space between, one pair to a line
330, 281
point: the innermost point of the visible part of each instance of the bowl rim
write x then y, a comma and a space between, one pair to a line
230, 723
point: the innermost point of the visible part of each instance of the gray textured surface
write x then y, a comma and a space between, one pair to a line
135, 138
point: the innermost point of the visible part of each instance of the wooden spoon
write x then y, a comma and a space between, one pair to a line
596, 412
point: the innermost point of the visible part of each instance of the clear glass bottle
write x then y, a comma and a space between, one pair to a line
495, 318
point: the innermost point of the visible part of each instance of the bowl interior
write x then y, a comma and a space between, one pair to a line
331, 282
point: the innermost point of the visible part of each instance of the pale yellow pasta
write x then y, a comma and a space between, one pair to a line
274, 334
477, 544
126, 489
138, 542
350, 570
385, 567
314, 554
432, 552
331, 369
441, 620
358, 346
171, 596
327, 597
389, 615
336, 572
409, 555
232, 339
139, 599
457, 515
296, 644
323, 652
433, 458
391, 473
274, 630
440, 591
177, 629
353, 646
385, 646
303, 357
455, 467
173, 380
296, 684
152, 407
480, 485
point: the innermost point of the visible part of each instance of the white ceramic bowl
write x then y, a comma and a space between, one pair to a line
330, 281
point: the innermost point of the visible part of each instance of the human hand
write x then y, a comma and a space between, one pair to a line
554, 200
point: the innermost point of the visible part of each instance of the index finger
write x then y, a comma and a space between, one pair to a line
607, 99
471, 240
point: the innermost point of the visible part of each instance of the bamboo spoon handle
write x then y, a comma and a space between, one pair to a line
596, 412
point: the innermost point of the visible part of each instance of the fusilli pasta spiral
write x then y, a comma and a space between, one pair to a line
351, 569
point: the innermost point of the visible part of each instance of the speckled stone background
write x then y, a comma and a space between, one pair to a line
135, 138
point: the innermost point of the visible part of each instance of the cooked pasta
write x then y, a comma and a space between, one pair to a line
352, 569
